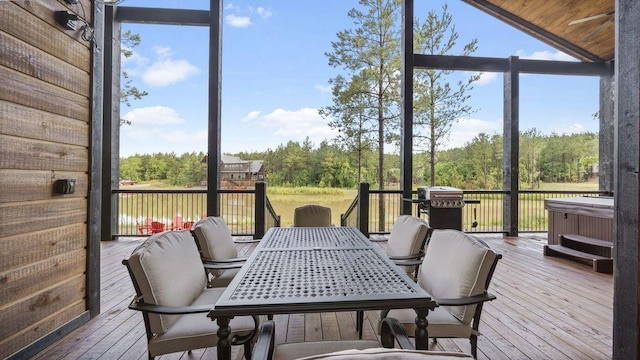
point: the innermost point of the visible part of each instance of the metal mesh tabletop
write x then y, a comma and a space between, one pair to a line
292, 275
315, 237
300, 270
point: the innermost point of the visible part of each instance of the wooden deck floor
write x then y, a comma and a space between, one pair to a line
547, 308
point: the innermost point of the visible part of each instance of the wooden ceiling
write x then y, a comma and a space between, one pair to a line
581, 28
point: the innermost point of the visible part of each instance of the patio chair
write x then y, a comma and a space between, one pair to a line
217, 248
172, 294
456, 271
145, 228
177, 223
157, 227
391, 333
406, 243
187, 225
405, 247
312, 215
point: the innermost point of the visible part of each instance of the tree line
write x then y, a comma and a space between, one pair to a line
476, 165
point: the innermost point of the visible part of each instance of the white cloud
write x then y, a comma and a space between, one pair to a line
231, 6
250, 116
465, 130
295, 125
134, 65
545, 55
264, 13
163, 51
154, 115
485, 77
168, 71
238, 21
323, 88
572, 129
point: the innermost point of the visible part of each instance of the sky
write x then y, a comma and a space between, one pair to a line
275, 77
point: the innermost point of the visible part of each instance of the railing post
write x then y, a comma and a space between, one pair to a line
363, 208
260, 210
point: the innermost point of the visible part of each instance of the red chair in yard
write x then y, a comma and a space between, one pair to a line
157, 227
188, 225
176, 223
145, 229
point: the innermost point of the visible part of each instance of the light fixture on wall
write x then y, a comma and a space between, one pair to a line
65, 186
70, 21
67, 20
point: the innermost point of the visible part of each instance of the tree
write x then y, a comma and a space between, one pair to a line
437, 103
128, 91
531, 144
370, 55
480, 152
355, 128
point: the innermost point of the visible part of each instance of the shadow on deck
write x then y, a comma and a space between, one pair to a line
547, 308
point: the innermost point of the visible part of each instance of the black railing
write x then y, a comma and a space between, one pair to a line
250, 213
146, 211
483, 215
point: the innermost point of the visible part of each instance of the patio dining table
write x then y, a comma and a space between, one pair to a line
318, 269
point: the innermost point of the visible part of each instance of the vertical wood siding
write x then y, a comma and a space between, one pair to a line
45, 109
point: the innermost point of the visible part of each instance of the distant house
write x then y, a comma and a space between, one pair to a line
237, 173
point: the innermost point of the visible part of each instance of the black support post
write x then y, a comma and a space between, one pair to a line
510, 147
215, 85
260, 210
626, 322
406, 143
363, 208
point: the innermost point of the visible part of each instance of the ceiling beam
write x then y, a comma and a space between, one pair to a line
142, 15
534, 30
548, 67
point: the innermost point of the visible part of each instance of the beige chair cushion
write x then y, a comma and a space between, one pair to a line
215, 240
455, 265
224, 278
169, 271
196, 331
391, 354
442, 324
312, 215
407, 237
312, 348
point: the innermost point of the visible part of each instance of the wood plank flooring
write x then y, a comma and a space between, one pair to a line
547, 308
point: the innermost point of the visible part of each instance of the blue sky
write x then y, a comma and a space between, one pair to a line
275, 77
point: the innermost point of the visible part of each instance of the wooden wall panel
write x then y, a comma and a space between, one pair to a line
35, 331
19, 153
31, 61
18, 283
20, 250
32, 216
38, 185
29, 123
25, 90
50, 38
45, 112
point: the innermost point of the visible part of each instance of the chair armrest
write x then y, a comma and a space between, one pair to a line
224, 261
391, 331
264, 346
209, 266
407, 257
138, 305
470, 300
246, 241
407, 263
